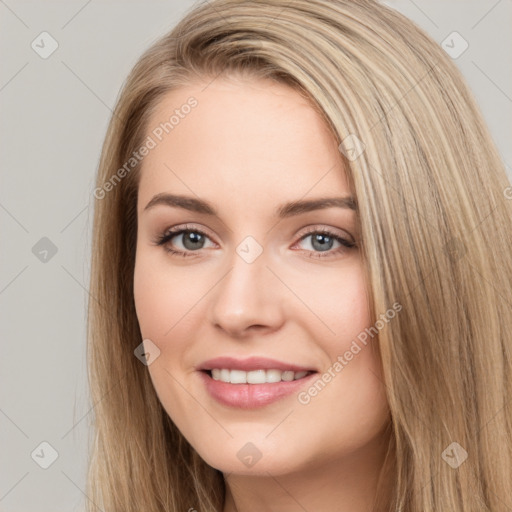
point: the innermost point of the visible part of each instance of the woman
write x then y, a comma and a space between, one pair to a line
301, 272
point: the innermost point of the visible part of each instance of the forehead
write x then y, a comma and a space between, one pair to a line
246, 140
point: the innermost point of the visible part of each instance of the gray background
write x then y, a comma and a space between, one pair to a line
54, 114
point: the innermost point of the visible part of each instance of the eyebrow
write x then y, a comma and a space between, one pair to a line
285, 210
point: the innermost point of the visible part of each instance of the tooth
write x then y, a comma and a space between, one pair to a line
256, 377
273, 375
238, 377
287, 376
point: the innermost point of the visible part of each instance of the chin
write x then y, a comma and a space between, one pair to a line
253, 458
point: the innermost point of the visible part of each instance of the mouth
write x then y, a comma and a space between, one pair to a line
252, 382
258, 376
253, 389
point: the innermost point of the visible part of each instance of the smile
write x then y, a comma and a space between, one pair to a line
244, 395
260, 376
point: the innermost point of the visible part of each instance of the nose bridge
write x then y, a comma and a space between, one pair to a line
247, 295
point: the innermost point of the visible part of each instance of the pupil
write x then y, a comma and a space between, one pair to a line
192, 240
322, 240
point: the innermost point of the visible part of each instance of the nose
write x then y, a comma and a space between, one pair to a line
248, 299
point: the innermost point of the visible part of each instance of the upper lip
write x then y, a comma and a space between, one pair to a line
251, 363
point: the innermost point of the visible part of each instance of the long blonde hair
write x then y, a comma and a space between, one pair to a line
431, 193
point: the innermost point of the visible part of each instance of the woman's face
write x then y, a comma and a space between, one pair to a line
258, 275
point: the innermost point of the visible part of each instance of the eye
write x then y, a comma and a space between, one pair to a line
322, 241
191, 239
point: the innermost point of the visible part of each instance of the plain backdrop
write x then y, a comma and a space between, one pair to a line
54, 113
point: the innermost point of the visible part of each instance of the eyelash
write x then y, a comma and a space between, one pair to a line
171, 233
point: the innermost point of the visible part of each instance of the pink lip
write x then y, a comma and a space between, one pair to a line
251, 396
251, 363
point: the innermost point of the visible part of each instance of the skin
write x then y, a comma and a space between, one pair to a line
249, 146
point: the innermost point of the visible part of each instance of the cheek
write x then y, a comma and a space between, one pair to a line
356, 339
339, 300
150, 300
165, 302
349, 340
163, 297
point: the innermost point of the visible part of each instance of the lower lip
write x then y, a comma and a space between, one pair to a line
250, 396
